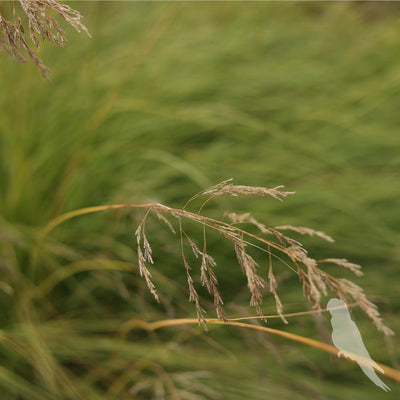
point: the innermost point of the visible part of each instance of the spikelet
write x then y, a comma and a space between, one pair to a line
357, 293
272, 288
193, 295
247, 218
254, 282
355, 268
165, 220
306, 231
142, 258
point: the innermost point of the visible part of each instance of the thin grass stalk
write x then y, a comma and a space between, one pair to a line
315, 281
153, 326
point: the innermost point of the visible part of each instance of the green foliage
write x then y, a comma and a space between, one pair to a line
164, 100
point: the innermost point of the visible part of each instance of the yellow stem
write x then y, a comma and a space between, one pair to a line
388, 371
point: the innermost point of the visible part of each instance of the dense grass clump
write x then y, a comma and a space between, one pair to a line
163, 101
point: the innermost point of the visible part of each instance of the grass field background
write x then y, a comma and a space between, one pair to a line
163, 101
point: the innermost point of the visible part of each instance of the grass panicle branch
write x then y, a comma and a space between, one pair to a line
306, 231
41, 25
315, 281
145, 255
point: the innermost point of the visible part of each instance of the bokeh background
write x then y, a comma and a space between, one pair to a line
164, 100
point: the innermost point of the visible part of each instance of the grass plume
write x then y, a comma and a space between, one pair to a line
39, 22
315, 281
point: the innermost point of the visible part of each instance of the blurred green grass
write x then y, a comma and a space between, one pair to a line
165, 99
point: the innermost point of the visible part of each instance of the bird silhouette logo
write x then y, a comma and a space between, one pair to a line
347, 338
